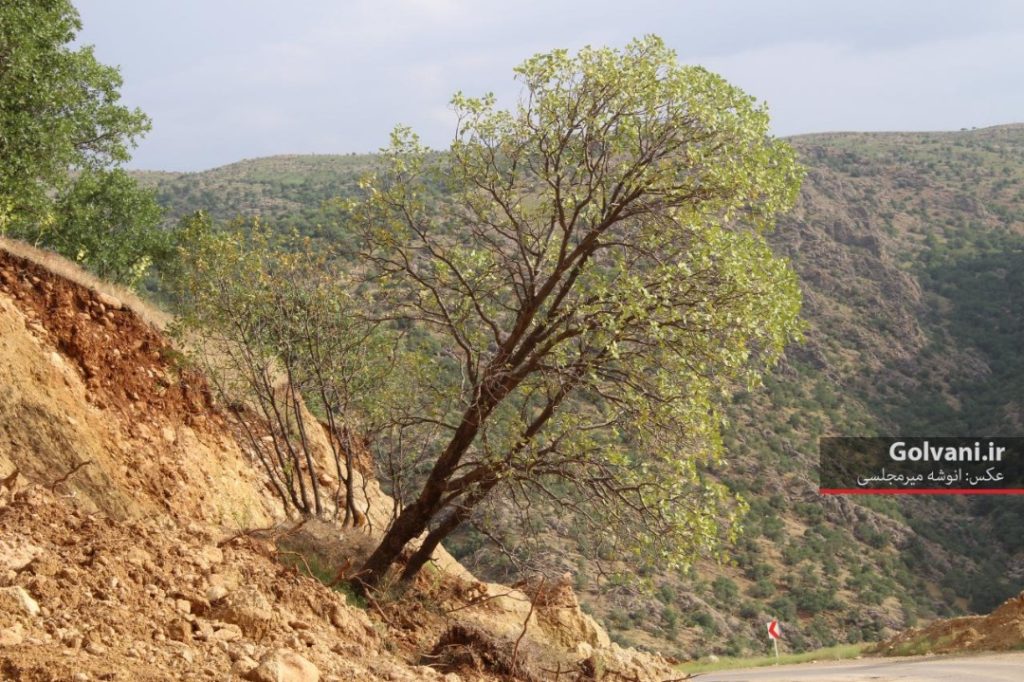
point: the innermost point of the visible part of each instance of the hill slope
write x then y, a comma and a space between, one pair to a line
139, 540
910, 249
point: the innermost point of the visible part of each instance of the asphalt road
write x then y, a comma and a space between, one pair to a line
980, 668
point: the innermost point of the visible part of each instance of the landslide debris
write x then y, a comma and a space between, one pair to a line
139, 541
1001, 630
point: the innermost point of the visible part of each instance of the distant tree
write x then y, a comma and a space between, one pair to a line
724, 589
592, 268
62, 130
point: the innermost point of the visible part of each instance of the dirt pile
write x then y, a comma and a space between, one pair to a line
139, 541
148, 599
1001, 630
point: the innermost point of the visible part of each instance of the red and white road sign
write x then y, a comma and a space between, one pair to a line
773, 629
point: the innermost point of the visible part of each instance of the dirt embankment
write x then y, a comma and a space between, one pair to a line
88, 386
1001, 630
138, 540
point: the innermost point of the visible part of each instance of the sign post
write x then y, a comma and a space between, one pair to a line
773, 634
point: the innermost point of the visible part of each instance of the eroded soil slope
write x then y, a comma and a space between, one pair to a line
138, 540
86, 385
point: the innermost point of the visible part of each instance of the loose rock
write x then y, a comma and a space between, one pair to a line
12, 636
16, 600
282, 665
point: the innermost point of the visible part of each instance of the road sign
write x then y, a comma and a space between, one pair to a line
773, 634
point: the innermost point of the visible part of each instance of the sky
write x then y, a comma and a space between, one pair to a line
225, 80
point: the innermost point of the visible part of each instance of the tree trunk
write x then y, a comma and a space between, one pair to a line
413, 519
350, 501
444, 529
411, 522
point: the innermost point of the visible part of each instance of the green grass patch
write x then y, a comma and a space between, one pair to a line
920, 646
832, 653
317, 568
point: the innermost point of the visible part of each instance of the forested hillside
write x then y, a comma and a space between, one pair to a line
910, 249
290, 192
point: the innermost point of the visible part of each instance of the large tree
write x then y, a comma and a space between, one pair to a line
61, 123
591, 267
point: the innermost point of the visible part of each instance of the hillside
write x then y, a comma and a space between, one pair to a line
909, 248
287, 190
139, 540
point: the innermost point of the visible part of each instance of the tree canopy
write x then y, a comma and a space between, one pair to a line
60, 123
592, 266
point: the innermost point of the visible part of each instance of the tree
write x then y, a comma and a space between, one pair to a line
61, 125
272, 323
106, 222
592, 268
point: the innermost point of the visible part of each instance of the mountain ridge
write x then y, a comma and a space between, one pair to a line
797, 137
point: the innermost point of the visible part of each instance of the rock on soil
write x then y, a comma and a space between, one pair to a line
17, 600
282, 665
123, 491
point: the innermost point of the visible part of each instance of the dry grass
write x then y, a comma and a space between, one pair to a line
834, 653
62, 266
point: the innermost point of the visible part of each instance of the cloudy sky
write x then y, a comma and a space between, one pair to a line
225, 80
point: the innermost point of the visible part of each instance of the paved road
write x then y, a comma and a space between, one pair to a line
981, 668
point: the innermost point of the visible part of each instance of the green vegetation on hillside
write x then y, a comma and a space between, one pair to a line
908, 250
292, 193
